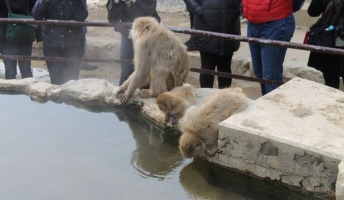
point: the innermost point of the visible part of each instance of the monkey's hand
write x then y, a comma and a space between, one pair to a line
211, 151
167, 119
124, 96
119, 92
169, 123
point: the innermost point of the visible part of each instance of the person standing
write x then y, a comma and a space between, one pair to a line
221, 16
8, 47
273, 20
329, 64
62, 41
127, 11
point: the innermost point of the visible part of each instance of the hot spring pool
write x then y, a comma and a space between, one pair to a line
58, 151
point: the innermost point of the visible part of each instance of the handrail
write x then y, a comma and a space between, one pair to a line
181, 30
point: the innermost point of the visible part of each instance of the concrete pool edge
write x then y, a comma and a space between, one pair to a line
248, 139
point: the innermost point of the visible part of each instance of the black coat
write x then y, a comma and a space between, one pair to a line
23, 7
221, 16
62, 36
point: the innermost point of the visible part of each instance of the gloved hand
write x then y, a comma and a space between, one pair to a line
129, 2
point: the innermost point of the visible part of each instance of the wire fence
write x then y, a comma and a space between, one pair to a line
181, 30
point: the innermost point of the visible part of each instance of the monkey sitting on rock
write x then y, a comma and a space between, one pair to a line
160, 60
200, 124
175, 102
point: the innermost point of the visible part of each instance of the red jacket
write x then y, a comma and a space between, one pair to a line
260, 11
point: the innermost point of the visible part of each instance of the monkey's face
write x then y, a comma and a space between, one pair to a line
164, 103
163, 107
191, 146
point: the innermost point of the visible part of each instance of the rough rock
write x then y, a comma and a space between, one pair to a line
21, 86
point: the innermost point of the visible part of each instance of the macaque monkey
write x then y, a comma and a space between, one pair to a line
160, 59
200, 124
175, 102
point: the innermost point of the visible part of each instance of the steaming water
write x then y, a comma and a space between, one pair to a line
57, 151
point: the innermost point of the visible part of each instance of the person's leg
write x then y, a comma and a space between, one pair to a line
253, 30
224, 65
208, 61
54, 68
2, 46
331, 70
25, 65
10, 65
71, 69
191, 16
273, 56
127, 53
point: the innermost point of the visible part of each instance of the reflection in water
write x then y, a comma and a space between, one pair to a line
56, 151
156, 152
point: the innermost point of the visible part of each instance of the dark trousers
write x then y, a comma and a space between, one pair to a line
329, 64
331, 70
11, 65
127, 53
61, 72
210, 62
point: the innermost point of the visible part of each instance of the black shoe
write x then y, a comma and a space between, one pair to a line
189, 46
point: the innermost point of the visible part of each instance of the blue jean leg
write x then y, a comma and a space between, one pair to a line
11, 65
267, 60
126, 52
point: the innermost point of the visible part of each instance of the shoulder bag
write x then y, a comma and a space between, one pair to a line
322, 33
19, 33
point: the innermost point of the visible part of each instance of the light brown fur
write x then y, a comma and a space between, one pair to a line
200, 125
160, 59
175, 102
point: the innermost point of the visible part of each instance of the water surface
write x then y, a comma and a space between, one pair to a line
58, 151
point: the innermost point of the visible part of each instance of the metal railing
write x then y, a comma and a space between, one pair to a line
181, 30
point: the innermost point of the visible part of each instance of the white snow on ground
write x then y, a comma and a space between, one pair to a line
38, 74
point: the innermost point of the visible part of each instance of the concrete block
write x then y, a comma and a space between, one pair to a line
340, 182
294, 134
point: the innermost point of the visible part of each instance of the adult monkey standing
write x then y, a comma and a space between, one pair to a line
127, 11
